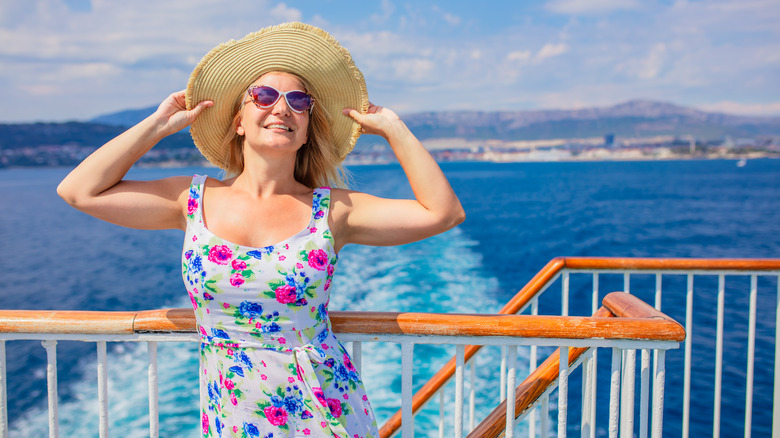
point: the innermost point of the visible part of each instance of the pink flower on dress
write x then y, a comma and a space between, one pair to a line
225, 305
276, 416
192, 205
239, 265
286, 294
299, 266
318, 259
229, 384
263, 376
319, 395
365, 397
331, 269
233, 399
313, 230
306, 432
335, 407
348, 363
291, 380
220, 254
282, 258
236, 279
327, 284
204, 421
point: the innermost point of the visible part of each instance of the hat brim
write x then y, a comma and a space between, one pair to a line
224, 74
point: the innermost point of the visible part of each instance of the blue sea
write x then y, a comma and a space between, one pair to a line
520, 215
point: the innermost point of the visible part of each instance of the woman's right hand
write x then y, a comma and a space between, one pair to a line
172, 114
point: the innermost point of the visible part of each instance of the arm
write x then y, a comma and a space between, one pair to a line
365, 219
96, 186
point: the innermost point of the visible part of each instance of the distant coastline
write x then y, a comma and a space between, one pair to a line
634, 130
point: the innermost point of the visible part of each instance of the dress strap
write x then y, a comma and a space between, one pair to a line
195, 199
320, 206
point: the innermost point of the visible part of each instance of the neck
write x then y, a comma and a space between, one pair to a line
265, 176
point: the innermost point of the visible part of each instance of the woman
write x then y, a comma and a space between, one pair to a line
278, 111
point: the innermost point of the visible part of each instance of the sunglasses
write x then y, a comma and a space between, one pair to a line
265, 97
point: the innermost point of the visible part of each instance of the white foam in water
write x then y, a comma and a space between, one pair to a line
441, 274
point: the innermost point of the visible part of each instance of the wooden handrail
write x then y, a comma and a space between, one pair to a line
615, 305
546, 274
379, 323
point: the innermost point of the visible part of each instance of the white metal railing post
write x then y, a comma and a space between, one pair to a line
586, 422
718, 357
687, 371
3, 394
565, 294
502, 375
644, 393
472, 390
658, 394
563, 391
751, 356
544, 418
595, 360
532, 362
628, 394
357, 356
407, 416
627, 283
776, 397
510, 390
51, 379
154, 414
459, 355
102, 388
614, 393
441, 413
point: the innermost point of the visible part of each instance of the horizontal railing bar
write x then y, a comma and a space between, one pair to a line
701, 272
625, 263
643, 327
352, 337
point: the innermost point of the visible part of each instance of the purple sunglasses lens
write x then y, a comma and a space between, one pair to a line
265, 96
298, 100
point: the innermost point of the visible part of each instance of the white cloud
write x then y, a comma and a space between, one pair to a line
730, 107
590, 7
550, 50
520, 55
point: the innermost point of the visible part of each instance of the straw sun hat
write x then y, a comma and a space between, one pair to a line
224, 74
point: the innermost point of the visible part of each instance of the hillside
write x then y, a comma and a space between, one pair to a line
67, 143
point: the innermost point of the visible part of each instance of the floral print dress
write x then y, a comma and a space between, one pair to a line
270, 365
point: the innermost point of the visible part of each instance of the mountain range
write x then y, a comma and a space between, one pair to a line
636, 118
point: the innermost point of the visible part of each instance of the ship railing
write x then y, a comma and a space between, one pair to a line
631, 330
583, 280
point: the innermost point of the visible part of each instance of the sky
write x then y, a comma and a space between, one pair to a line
76, 59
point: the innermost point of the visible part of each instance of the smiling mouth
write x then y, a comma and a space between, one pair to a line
279, 126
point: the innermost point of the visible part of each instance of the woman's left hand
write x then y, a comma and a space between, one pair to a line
377, 120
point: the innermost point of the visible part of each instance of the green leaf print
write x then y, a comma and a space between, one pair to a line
210, 284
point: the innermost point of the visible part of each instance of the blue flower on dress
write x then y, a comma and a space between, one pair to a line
214, 393
250, 309
217, 333
242, 359
194, 193
340, 372
259, 253
293, 404
251, 430
237, 369
277, 401
219, 426
271, 328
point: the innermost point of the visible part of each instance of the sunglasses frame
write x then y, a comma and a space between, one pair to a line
280, 94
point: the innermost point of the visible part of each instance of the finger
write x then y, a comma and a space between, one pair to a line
353, 114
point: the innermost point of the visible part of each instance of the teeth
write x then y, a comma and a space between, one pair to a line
277, 126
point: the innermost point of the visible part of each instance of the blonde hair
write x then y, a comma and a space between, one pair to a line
316, 163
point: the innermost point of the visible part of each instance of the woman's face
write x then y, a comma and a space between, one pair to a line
277, 128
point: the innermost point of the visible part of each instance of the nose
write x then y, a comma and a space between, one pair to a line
281, 108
